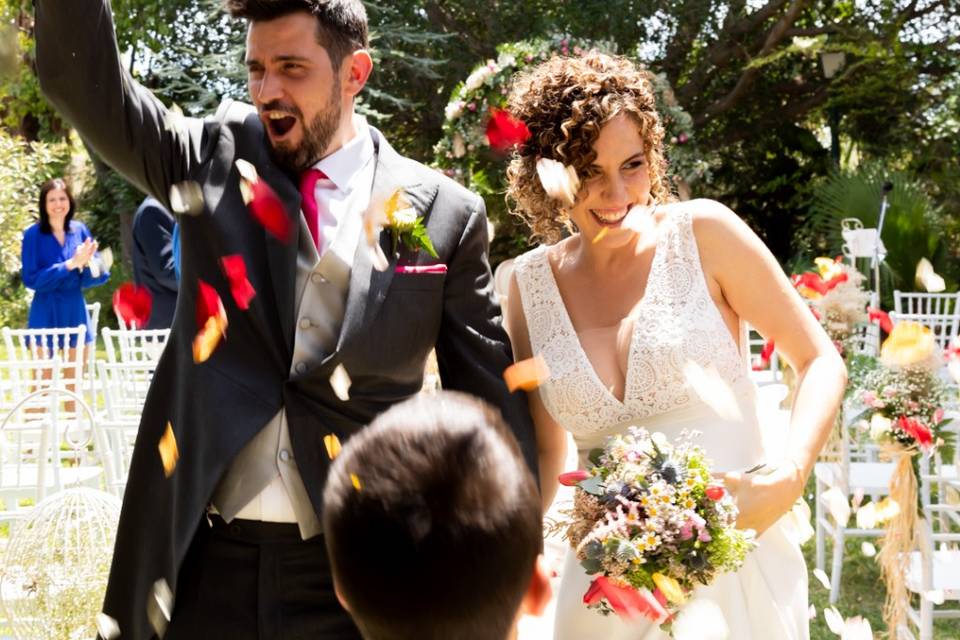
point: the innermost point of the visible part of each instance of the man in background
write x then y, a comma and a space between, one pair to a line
153, 260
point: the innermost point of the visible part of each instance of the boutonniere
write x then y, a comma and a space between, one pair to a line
406, 226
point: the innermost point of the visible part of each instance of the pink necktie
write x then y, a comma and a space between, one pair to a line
308, 191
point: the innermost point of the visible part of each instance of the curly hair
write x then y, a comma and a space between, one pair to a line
565, 101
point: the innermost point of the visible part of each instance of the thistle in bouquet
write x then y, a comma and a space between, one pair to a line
651, 524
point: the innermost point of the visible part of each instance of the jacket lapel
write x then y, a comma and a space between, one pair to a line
368, 286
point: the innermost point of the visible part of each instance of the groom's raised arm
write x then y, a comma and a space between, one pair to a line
81, 73
473, 348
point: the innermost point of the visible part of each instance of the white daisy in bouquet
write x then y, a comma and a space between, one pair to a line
651, 524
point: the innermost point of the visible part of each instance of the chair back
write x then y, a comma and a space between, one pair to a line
941, 304
134, 345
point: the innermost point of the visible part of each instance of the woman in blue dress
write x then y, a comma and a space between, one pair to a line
57, 253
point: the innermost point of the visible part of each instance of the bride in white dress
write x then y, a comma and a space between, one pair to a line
641, 287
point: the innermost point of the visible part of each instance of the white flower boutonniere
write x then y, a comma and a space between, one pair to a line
406, 226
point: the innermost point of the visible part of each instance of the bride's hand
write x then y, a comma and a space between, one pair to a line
763, 499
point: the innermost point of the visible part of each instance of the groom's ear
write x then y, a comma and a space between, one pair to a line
539, 591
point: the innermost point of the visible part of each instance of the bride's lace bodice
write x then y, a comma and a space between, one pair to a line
675, 322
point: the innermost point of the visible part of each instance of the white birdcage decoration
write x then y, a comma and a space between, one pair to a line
55, 569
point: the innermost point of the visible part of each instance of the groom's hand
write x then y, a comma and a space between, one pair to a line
764, 499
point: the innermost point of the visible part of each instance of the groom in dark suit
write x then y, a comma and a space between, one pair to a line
234, 531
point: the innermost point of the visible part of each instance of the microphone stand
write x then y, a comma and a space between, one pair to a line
875, 261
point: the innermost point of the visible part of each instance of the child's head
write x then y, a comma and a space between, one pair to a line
433, 524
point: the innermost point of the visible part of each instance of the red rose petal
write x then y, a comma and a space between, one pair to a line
211, 322
504, 131
133, 304
880, 317
572, 478
240, 288
715, 492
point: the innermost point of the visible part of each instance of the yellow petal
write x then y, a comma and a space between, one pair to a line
209, 337
927, 279
670, 588
169, 454
828, 268
527, 374
356, 481
332, 442
908, 344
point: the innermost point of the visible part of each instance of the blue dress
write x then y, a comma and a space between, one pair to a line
58, 301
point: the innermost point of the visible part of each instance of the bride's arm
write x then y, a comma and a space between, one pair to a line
551, 438
742, 270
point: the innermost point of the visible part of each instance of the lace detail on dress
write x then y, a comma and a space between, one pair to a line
675, 322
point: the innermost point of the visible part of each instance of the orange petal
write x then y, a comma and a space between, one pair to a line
527, 374
169, 454
356, 481
208, 339
332, 443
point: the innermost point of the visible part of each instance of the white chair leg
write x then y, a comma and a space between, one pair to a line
821, 552
837, 569
926, 619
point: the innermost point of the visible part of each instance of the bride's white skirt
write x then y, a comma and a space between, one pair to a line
766, 598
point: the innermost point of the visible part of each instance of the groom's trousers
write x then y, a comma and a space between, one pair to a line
253, 580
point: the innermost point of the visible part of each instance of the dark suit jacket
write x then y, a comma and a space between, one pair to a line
391, 322
153, 260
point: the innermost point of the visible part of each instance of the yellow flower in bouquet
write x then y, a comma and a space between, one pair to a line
909, 344
828, 268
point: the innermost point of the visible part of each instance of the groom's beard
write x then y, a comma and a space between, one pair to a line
316, 137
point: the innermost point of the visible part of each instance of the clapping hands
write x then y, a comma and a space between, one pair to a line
83, 254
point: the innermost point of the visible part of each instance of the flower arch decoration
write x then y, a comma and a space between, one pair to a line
464, 152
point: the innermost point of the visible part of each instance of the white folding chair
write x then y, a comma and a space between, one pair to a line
134, 345
30, 345
124, 386
93, 314
933, 570
857, 470
944, 326
32, 462
941, 304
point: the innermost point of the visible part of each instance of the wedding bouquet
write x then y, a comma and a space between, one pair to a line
651, 524
836, 296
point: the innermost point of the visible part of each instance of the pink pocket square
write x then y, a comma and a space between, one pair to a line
424, 268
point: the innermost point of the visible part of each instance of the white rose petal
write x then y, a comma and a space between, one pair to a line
936, 596
867, 516
822, 578
868, 549
834, 620
559, 182
837, 505
340, 381
107, 627
856, 628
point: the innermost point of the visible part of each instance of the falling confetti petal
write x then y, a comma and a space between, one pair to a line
834, 620
837, 505
856, 628
133, 304
867, 516
527, 374
927, 278
559, 182
169, 454
868, 549
713, 390
212, 320
857, 499
936, 596
107, 627
332, 443
700, 620
355, 479
340, 381
240, 288
504, 132
174, 121
263, 202
160, 607
601, 234
822, 578
186, 198
812, 612
887, 509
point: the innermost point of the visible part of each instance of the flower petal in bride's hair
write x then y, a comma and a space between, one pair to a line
263, 202
559, 181
527, 374
701, 619
713, 390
